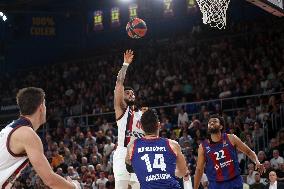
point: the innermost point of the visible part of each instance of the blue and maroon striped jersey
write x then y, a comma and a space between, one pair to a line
221, 160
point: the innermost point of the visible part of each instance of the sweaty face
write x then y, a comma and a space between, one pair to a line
214, 126
129, 97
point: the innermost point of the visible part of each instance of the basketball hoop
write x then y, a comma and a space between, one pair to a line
214, 12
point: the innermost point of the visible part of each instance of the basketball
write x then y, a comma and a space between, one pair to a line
136, 28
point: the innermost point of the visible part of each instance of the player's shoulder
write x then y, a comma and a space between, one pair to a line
24, 133
174, 145
232, 138
25, 129
173, 142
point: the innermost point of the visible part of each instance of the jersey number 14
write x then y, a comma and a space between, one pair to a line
159, 162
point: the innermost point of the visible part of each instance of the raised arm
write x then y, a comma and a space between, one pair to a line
199, 167
34, 149
246, 150
119, 103
181, 167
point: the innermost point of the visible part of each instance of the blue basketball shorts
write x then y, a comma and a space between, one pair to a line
235, 183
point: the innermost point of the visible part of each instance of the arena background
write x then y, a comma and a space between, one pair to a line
187, 70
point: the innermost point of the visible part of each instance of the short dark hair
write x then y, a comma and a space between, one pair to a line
149, 121
221, 119
29, 99
128, 88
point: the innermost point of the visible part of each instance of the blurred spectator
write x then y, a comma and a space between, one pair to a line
72, 173
280, 173
251, 174
276, 160
268, 169
108, 147
258, 184
249, 141
261, 156
101, 182
84, 161
273, 184
110, 184
182, 118
106, 165
101, 140
90, 140
280, 139
272, 146
57, 159
257, 135
242, 161
59, 171
74, 162
185, 138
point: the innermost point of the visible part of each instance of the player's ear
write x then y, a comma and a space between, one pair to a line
159, 125
40, 107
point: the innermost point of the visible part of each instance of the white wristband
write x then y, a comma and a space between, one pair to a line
125, 64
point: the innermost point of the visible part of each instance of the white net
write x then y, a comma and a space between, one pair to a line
214, 12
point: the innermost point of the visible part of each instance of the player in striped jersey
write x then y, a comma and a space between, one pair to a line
218, 155
20, 144
129, 126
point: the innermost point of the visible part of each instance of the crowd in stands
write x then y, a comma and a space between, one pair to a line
179, 70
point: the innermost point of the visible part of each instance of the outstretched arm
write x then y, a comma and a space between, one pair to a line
246, 150
199, 167
34, 149
119, 104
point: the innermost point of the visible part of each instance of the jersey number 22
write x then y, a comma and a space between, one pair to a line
220, 155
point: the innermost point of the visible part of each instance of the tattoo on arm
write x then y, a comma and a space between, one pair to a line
121, 74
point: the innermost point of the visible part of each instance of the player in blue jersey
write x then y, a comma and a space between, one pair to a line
156, 161
218, 155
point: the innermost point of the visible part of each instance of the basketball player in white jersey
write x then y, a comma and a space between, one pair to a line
129, 126
19, 143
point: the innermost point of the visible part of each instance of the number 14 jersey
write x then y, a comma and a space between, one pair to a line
154, 163
221, 160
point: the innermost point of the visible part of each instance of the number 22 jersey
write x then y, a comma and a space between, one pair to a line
154, 163
221, 160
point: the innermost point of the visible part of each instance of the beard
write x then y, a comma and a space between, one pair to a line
130, 103
213, 130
